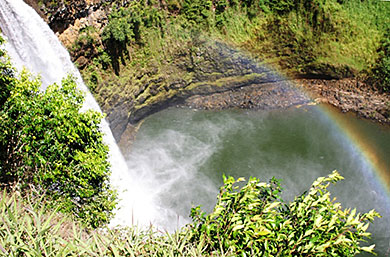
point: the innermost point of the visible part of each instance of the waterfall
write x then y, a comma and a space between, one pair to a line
32, 44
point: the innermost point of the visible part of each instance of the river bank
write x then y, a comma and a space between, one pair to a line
348, 95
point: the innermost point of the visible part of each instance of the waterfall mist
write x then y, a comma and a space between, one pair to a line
167, 163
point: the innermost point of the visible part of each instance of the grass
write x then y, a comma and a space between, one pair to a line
346, 39
29, 228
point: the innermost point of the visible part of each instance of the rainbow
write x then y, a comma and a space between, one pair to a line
356, 138
367, 152
363, 146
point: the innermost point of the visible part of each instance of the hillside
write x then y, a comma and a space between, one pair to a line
140, 56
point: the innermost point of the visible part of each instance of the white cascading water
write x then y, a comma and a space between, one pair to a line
32, 44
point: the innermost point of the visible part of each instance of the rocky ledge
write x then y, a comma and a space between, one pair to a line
264, 96
60, 15
349, 95
211, 75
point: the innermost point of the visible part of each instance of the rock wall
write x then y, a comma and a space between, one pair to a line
67, 18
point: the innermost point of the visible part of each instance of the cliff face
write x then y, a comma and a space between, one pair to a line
67, 18
62, 14
197, 69
210, 69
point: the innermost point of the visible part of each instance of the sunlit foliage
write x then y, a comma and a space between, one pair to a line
254, 221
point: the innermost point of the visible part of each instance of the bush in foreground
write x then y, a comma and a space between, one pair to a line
254, 221
29, 228
247, 221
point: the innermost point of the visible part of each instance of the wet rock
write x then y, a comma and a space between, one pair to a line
215, 68
82, 61
266, 96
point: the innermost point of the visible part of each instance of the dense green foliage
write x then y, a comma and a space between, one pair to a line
6, 75
254, 221
320, 38
128, 25
381, 69
247, 221
197, 12
48, 142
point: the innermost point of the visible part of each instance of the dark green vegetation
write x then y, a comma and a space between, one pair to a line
381, 70
246, 221
48, 143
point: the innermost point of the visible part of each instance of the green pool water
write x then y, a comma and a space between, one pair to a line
180, 155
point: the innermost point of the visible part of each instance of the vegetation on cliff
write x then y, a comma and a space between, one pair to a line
320, 38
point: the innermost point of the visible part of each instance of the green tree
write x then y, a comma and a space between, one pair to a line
254, 221
46, 141
197, 12
128, 25
381, 69
118, 34
6, 75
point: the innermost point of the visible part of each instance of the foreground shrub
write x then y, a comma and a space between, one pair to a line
46, 141
250, 221
28, 229
254, 221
